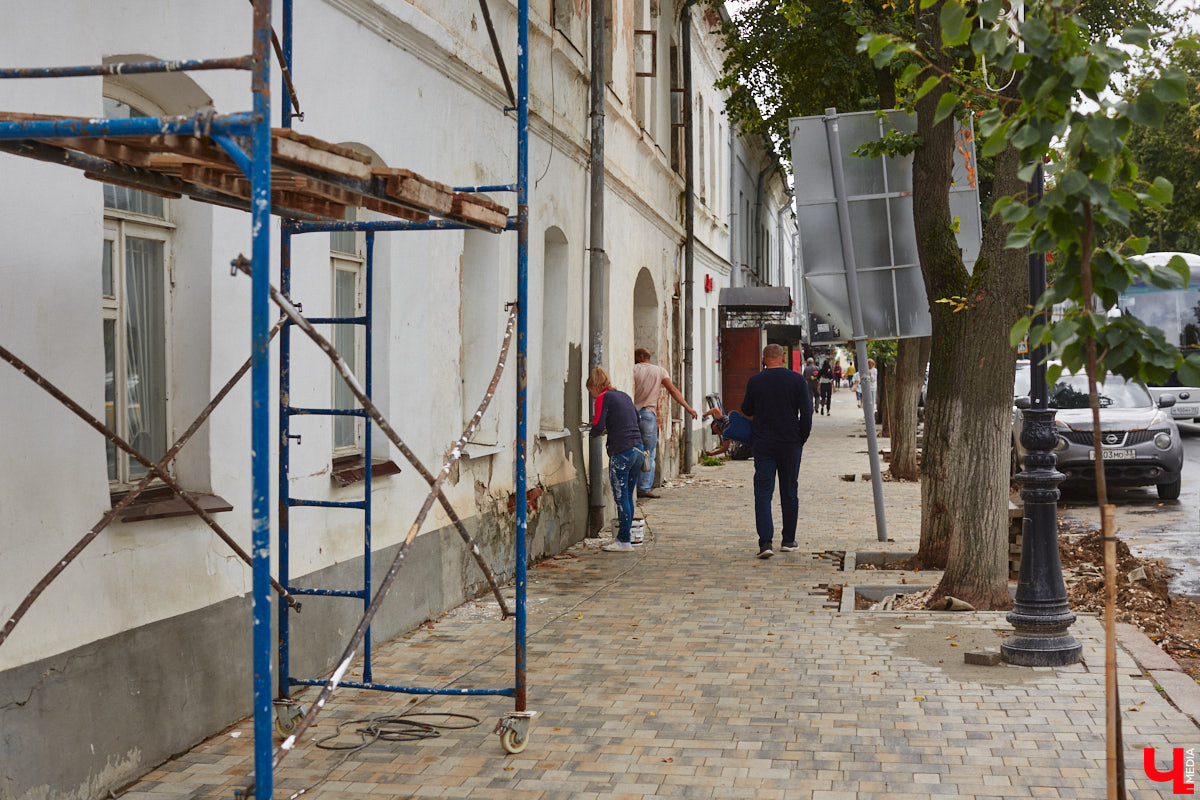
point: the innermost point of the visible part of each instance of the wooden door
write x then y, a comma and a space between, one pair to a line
741, 357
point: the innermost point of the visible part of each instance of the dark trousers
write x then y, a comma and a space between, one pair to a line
826, 395
782, 460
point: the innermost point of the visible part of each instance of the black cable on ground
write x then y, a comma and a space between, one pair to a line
403, 728
385, 728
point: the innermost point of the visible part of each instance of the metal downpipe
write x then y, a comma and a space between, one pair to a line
596, 261
689, 224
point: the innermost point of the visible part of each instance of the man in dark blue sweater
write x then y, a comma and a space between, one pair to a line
778, 402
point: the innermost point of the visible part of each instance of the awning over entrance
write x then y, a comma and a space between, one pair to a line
755, 298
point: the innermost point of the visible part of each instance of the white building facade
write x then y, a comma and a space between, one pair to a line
125, 301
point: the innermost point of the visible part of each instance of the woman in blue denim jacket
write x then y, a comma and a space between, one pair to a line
614, 414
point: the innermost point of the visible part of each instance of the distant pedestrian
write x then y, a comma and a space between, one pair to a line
648, 378
613, 414
778, 402
825, 384
856, 385
850, 375
837, 375
812, 378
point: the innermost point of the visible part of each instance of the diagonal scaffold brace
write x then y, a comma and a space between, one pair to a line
241, 263
158, 470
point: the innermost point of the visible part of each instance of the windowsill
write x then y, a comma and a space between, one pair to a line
472, 450
348, 470
163, 503
550, 436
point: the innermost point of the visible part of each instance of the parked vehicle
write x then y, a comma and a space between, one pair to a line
1175, 312
1140, 439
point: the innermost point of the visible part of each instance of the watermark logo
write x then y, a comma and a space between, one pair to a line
1181, 774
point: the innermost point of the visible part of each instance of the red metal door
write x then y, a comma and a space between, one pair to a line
741, 357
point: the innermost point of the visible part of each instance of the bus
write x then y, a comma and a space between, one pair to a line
1176, 313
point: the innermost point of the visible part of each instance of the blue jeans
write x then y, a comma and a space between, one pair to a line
648, 424
623, 471
782, 460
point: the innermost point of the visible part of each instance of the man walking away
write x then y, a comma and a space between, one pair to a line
779, 403
647, 380
812, 376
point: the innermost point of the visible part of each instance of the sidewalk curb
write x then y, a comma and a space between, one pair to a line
1179, 687
1145, 652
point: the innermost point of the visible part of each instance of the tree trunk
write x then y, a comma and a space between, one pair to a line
910, 374
964, 494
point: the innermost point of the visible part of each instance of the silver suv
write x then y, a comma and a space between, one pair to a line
1140, 440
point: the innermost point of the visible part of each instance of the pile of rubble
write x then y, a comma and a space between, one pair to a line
1143, 589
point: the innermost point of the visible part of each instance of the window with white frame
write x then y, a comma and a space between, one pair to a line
481, 316
347, 256
135, 278
554, 330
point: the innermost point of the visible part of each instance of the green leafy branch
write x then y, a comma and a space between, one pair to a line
1062, 106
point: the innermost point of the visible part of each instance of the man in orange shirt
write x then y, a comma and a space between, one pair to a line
647, 380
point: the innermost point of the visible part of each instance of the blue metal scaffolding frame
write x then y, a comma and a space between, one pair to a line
253, 127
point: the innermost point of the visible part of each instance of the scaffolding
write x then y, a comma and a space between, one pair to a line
239, 161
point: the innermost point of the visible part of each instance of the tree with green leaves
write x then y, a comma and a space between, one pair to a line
1061, 110
790, 59
1171, 149
949, 70
969, 397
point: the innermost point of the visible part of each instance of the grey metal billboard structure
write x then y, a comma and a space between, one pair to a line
878, 192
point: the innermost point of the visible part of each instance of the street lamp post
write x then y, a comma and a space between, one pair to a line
1040, 614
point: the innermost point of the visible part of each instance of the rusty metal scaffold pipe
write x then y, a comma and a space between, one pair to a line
132, 494
243, 264
289, 309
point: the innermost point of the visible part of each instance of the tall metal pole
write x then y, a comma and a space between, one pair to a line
522, 332
1040, 615
596, 262
368, 368
689, 225
284, 664
856, 318
260, 414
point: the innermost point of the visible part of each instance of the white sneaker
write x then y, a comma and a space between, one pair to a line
617, 547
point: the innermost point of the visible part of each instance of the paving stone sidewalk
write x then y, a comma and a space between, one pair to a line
693, 669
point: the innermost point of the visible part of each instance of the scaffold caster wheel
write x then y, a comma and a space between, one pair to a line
513, 742
287, 714
513, 729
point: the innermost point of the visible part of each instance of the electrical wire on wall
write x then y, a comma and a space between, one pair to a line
550, 155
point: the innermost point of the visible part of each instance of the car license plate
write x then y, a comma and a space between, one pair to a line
1113, 455
1185, 411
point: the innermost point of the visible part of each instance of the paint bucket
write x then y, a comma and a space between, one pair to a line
637, 531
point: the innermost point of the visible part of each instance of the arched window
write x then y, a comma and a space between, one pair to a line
135, 282
480, 320
554, 331
646, 316
348, 262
